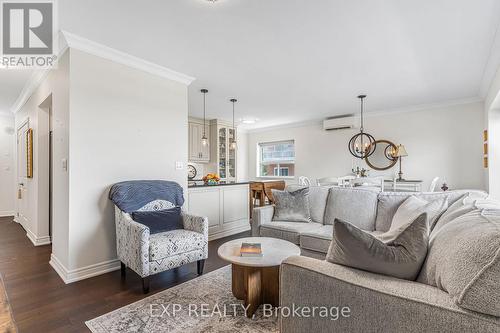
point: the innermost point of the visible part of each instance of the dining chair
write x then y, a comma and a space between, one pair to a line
327, 181
346, 181
432, 186
304, 181
370, 182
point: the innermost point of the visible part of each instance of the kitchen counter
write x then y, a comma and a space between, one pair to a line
226, 206
200, 183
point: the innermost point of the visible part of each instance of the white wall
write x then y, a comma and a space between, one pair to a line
494, 152
7, 180
444, 142
492, 112
55, 87
110, 123
124, 124
242, 156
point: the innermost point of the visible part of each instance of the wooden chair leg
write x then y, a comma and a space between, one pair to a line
123, 270
145, 284
200, 264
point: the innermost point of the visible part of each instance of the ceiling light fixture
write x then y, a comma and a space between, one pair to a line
362, 144
233, 142
204, 139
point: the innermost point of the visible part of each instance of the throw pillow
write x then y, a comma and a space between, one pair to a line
466, 203
464, 260
160, 220
408, 211
292, 206
401, 258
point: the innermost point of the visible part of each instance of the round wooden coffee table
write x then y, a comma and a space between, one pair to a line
256, 279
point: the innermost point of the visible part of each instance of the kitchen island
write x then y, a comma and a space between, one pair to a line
226, 205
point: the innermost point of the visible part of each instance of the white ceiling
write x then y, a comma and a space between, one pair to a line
295, 60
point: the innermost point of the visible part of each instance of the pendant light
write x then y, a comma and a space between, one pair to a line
233, 142
204, 140
362, 144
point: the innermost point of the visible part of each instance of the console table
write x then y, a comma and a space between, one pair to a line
404, 185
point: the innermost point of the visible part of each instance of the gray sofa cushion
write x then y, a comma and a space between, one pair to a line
318, 195
401, 258
464, 205
291, 205
464, 260
317, 240
378, 303
356, 206
388, 203
286, 230
409, 210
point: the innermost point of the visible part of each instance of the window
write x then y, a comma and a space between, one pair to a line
276, 159
283, 171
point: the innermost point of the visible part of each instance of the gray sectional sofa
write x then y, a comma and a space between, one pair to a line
377, 303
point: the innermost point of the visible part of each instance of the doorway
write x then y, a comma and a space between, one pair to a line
22, 216
45, 179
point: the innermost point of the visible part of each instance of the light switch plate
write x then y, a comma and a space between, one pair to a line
179, 165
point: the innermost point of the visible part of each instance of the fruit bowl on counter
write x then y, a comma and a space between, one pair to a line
211, 179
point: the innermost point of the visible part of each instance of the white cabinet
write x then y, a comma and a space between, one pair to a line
197, 151
225, 206
223, 154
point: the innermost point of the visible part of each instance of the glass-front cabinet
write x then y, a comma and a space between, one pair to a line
223, 154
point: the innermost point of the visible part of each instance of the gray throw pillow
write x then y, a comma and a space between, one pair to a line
291, 206
464, 260
401, 258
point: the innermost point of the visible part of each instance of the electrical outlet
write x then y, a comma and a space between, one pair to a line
179, 165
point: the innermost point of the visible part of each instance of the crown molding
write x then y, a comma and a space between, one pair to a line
36, 78
68, 40
376, 113
76, 42
33, 82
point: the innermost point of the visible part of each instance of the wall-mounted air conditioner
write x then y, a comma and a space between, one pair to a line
339, 122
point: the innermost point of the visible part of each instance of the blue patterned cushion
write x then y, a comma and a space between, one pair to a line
161, 220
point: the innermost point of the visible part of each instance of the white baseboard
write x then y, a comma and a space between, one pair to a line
69, 276
38, 241
229, 232
6, 213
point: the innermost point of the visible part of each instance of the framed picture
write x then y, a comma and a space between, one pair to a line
485, 135
485, 162
29, 153
485, 149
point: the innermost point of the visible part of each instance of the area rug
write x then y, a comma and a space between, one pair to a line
7, 324
204, 304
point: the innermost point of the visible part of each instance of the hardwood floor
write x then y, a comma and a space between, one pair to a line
6, 321
40, 300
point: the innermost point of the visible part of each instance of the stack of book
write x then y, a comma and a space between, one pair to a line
251, 250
